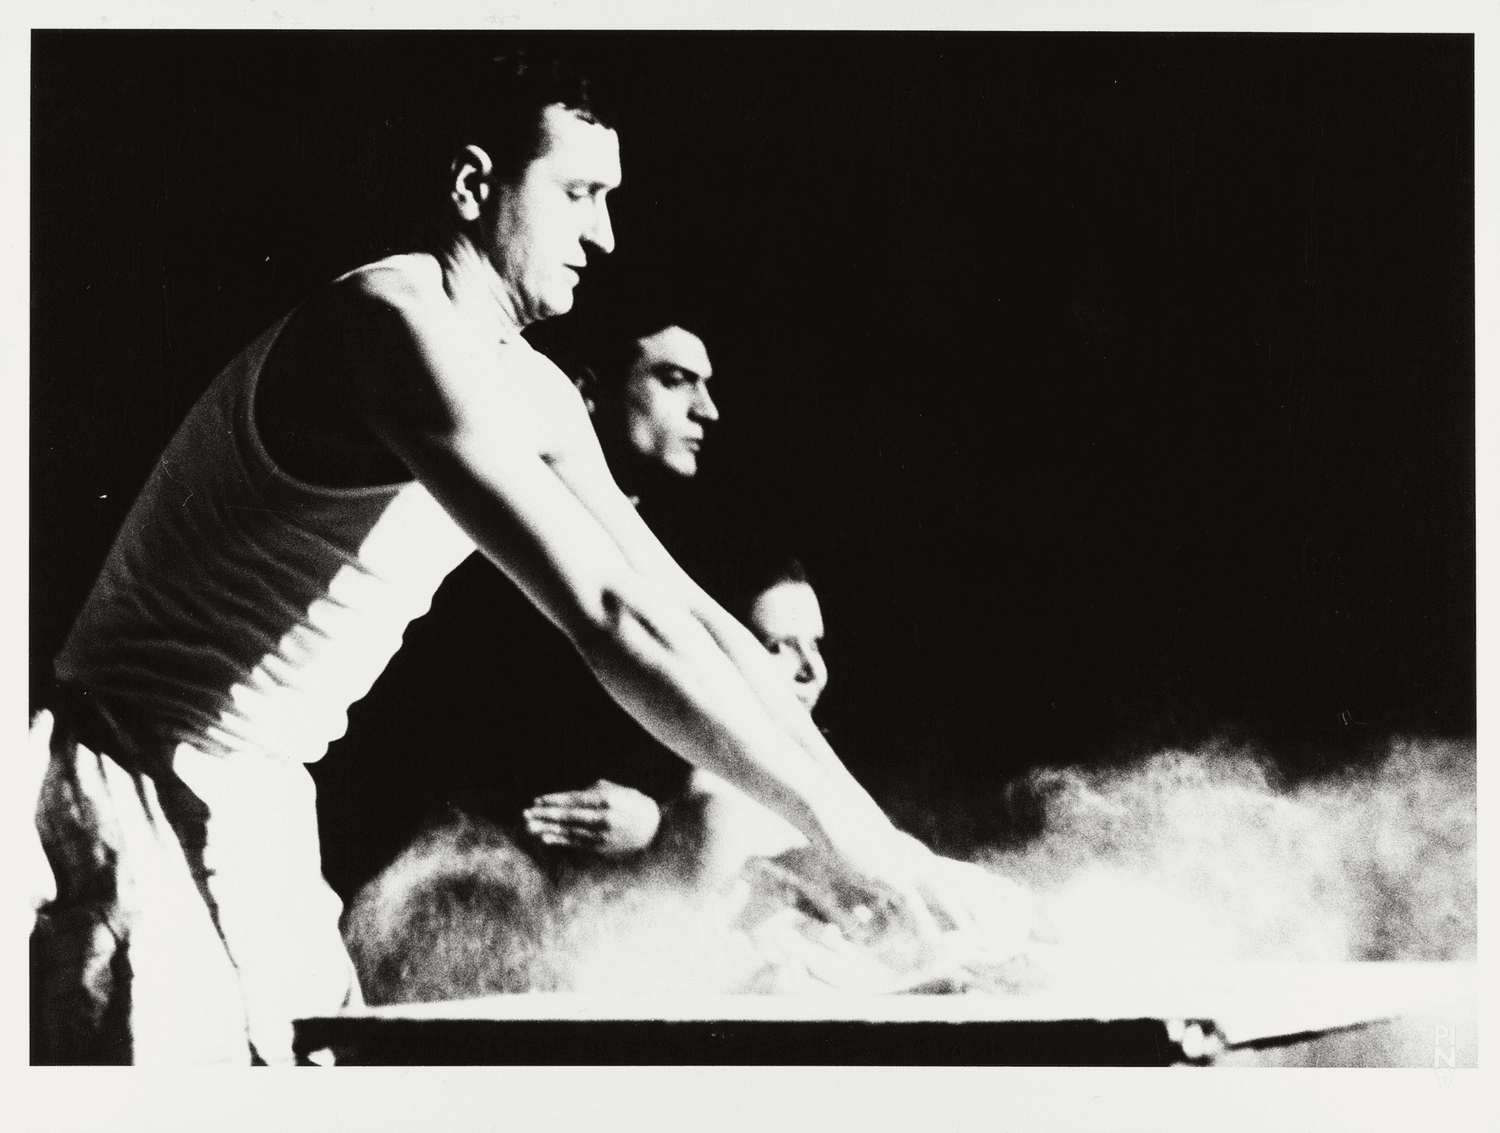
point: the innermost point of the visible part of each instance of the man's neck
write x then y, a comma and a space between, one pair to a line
636, 477
476, 289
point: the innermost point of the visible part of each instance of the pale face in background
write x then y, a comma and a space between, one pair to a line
789, 623
543, 224
667, 404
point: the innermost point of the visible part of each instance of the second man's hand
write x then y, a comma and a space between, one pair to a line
606, 818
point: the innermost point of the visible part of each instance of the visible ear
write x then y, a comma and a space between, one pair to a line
471, 181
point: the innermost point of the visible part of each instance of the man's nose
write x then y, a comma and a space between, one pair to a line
704, 408
600, 233
818, 667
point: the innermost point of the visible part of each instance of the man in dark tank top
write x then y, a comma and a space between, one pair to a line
398, 419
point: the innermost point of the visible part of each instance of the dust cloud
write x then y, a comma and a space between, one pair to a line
1201, 856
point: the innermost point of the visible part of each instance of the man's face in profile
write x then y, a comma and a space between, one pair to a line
546, 221
667, 404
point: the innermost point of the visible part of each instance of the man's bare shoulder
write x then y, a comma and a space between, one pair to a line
408, 355
355, 335
408, 285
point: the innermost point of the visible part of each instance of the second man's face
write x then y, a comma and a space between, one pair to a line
667, 404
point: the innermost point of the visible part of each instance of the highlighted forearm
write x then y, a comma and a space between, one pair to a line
671, 676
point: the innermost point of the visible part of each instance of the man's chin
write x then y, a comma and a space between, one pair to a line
684, 464
554, 305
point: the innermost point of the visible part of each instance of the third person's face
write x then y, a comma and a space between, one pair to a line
667, 404
789, 623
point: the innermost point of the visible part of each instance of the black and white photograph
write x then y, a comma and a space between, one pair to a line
710, 548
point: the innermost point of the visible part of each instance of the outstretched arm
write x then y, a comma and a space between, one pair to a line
502, 441
644, 552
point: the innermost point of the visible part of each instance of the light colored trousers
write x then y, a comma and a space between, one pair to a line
179, 918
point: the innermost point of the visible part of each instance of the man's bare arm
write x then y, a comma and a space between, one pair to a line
644, 551
481, 440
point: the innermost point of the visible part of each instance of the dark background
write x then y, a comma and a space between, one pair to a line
1117, 390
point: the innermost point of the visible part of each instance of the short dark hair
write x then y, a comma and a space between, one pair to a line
504, 102
623, 321
789, 569
762, 572
598, 353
